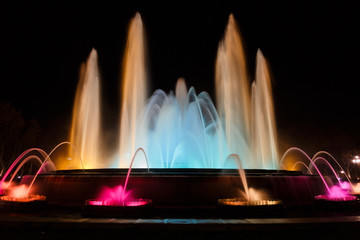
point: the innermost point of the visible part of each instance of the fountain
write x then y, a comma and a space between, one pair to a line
181, 130
18, 197
116, 202
195, 155
184, 130
338, 196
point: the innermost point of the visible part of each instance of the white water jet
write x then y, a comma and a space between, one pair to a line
264, 139
248, 120
134, 92
86, 122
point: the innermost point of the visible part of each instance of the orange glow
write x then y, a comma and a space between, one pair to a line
133, 89
240, 202
30, 198
85, 130
356, 188
289, 162
18, 191
254, 194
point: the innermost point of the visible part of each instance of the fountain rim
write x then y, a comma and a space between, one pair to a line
175, 172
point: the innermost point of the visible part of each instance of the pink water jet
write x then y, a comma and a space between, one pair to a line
117, 196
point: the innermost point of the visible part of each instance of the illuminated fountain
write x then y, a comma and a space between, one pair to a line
116, 202
181, 130
15, 196
339, 191
194, 155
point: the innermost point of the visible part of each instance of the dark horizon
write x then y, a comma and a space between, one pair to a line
312, 51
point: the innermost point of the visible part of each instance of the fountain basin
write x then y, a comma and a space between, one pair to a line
241, 202
29, 203
133, 208
177, 188
347, 206
238, 207
338, 199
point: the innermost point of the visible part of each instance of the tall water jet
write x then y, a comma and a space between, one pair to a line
264, 142
248, 121
232, 91
232, 86
85, 129
134, 92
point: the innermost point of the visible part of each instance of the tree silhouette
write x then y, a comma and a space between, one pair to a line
16, 134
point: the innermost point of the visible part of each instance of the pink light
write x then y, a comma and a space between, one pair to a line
116, 197
112, 196
137, 203
101, 203
337, 193
3, 187
346, 186
134, 203
96, 203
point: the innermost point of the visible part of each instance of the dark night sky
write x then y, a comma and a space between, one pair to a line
312, 50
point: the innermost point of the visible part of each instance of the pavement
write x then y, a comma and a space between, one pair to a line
71, 225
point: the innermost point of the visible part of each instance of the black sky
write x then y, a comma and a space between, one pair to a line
312, 50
